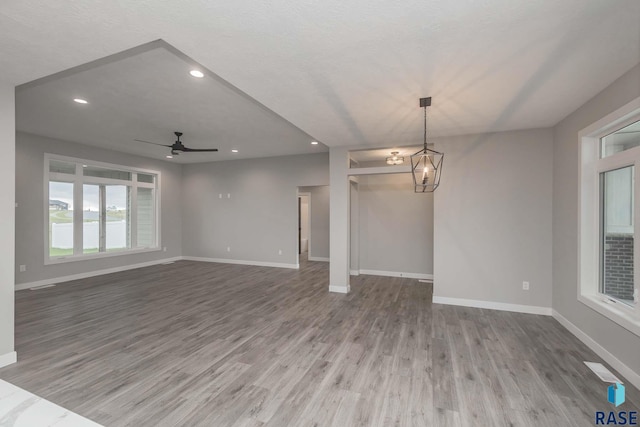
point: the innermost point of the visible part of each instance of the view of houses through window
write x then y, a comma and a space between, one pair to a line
118, 209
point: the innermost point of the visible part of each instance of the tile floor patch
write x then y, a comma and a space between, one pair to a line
19, 408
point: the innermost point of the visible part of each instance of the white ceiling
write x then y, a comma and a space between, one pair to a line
351, 73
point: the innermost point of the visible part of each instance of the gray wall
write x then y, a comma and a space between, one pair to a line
7, 218
30, 150
395, 225
260, 217
621, 343
339, 217
493, 218
319, 227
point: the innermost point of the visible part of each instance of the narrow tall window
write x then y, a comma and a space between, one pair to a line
60, 218
117, 218
91, 208
617, 234
146, 217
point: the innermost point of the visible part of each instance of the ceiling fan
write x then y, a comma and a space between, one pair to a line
177, 147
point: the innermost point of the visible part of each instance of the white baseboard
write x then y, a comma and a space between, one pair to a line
318, 258
518, 308
242, 262
61, 279
354, 272
627, 372
340, 289
8, 359
395, 274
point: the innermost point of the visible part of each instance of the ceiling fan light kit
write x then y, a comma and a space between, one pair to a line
426, 164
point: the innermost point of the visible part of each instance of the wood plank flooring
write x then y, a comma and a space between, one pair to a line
203, 344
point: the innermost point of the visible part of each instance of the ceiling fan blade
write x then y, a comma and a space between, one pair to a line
185, 149
154, 143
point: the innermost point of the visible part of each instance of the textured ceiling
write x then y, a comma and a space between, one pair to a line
351, 73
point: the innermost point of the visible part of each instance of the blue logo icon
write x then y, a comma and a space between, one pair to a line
615, 394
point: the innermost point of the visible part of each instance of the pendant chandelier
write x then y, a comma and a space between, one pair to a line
426, 164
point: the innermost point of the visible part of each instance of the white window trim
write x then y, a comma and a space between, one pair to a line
78, 180
590, 165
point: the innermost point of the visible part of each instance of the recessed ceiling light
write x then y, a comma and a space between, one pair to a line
234, 151
169, 157
314, 142
80, 101
197, 73
84, 166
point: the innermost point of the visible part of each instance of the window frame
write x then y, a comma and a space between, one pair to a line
591, 165
78, 180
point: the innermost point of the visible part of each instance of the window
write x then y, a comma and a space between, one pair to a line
119, 209
610, 215
616, 236
60, 218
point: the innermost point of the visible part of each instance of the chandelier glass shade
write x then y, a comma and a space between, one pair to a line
426, 168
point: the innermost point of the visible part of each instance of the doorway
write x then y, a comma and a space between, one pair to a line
304, 221
313, 231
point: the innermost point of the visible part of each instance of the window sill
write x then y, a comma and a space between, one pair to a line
627, 317
74, 258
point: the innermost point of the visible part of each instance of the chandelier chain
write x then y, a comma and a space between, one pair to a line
425, 127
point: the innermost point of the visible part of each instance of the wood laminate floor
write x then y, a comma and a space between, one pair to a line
190, 344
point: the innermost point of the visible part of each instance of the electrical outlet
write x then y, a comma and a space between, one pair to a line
23, 268
164, 249
228, 195
228, 248
525, 286
220, 196
280, 252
